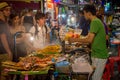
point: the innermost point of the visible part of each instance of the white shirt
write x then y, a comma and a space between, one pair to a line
40, 40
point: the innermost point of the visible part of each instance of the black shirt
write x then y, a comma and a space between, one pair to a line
84, 25
28, 19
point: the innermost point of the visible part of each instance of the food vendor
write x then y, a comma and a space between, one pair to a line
97, 38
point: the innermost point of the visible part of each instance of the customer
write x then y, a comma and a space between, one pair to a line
6, 42
83, 24
48, 19
97, 38
101, 17
40, 31
28, 20
15, 27
6, 9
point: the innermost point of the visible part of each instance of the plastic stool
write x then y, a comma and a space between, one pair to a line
26, 77
112, 61
115, 59
106, 74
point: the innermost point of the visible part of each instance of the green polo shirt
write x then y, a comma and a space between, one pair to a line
98, 46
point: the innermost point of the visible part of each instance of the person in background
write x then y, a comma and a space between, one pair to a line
38, 11
40, 31
22, 13
101, 17
28, 20
22, 42
49, 23
15, 27
83, 24
55, 31
6, 11
97, 38
48, 19
6, 41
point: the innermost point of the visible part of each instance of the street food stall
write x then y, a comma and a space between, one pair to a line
64, 57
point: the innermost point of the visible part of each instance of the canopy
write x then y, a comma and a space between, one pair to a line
24, 0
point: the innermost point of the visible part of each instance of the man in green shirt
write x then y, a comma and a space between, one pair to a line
97, 38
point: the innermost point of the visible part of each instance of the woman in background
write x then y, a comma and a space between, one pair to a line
41, 32
20, 47
101, 17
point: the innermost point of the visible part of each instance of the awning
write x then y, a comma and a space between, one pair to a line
24, 0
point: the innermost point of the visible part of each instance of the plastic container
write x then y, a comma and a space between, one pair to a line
63, 67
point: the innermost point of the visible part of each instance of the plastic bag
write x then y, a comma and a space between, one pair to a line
82, 66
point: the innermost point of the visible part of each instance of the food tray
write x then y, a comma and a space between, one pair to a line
28, 72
